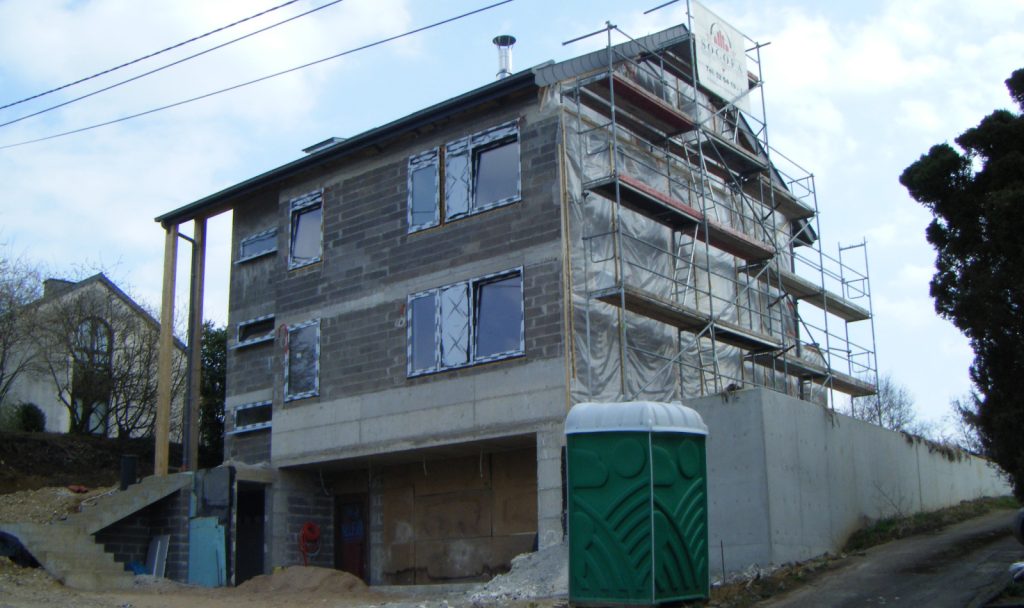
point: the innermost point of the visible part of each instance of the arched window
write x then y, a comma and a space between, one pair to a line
91, 375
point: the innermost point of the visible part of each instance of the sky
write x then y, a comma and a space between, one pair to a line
854, 92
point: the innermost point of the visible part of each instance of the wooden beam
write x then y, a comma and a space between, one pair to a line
166, 354
190, 452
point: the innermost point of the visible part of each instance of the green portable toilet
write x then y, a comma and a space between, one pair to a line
637, 503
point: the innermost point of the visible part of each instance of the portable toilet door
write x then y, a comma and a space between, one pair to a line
637, 503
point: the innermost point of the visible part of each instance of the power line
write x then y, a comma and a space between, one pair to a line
164, 67
154, 54
261, 79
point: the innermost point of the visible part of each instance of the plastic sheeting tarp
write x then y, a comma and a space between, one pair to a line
619, 354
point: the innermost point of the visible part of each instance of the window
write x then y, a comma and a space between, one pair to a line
255, 331
256, 245
466, 323
253, 416
302, 361
481, 171
306, 242
424, 207
91, 379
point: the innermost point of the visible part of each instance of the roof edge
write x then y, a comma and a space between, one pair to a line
521, 80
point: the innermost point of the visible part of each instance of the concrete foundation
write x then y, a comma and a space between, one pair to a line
789, 480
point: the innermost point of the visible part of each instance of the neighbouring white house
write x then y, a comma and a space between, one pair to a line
92, 353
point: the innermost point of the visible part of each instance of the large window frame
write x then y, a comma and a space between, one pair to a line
300, 207
268, 236
255, 426
458, 167
453, 315
289, 350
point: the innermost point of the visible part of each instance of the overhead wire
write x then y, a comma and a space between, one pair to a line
262, 78
164, 67
149, 56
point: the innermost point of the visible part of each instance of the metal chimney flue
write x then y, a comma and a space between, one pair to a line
504, 44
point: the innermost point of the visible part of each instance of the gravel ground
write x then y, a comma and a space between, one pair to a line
44, 505
293, 587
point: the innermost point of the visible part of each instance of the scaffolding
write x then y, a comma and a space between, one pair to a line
702, 270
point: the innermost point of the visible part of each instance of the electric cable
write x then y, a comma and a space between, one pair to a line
164, 67
151, 55
261, 79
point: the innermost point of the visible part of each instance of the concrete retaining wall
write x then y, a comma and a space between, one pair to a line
788, 480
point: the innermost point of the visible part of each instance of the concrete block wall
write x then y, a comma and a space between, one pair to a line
789, 480
294, 498
252, 447
367, 404
128, 539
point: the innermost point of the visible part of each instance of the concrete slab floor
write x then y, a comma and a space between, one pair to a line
963, 565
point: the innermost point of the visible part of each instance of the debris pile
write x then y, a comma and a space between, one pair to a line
544, 574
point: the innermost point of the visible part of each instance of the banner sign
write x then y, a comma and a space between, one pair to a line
721, 57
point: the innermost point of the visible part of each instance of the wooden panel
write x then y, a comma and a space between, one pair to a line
399, 563
398, 515
443, 476
515, 510
463, 514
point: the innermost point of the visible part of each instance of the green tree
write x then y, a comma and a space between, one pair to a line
211, 395
976, 195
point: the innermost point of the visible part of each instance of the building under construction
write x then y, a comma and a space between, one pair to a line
414, 309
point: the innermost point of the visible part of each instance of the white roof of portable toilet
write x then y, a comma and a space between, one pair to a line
646, 416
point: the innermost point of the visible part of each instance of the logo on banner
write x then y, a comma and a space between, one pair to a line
721, 59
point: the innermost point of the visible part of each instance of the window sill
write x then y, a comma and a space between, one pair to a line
301, 396
254, 342
255, 256
465, 216
478, 363
250, 429
294, 266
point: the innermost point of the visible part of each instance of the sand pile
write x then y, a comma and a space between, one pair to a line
304, 579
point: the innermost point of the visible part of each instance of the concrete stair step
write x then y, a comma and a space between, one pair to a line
68, 551
115, 507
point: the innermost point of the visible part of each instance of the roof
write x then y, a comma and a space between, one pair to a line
102, 279
216, 202
533, 78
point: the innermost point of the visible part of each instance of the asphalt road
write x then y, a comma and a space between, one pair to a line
962, 565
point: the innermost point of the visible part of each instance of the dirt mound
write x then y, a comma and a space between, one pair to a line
304, 579
29, 461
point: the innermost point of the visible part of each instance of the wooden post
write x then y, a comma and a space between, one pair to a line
166, 360
190, 453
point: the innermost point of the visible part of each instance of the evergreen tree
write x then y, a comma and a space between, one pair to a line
211, 395
976, 195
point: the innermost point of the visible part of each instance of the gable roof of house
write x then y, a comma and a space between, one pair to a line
102, 279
